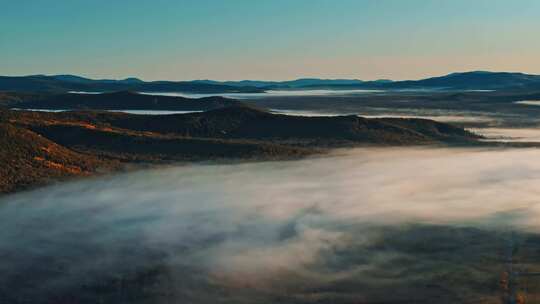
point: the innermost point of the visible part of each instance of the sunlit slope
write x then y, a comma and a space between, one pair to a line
28, 158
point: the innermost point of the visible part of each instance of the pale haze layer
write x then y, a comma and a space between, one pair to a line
358, 222
268, 40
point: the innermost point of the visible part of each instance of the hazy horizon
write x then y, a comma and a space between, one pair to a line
274, 40
256, 79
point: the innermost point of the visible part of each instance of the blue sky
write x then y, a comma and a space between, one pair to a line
268, 39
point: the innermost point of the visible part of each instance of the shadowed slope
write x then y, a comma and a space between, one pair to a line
252, 123
41, 145
124, 100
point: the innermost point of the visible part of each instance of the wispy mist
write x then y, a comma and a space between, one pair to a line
345, 227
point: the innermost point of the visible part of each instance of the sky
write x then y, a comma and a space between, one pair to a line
268, 39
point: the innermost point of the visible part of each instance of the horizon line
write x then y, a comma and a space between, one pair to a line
261, 80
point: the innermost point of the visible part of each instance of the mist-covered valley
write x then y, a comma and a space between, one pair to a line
434, 200
263, 152
368, 225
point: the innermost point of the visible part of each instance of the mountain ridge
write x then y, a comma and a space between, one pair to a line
42, 146
67, 83
124, 100
473, 80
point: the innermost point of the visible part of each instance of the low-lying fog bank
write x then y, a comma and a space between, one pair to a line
441, 116
360, 226
527, 135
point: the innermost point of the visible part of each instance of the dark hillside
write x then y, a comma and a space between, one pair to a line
125, 100
241, 122
40, 146
153, 147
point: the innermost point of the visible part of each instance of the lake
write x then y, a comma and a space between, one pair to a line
271, 93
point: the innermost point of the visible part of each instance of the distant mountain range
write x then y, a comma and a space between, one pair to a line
66, 83
298, 83
476, 80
